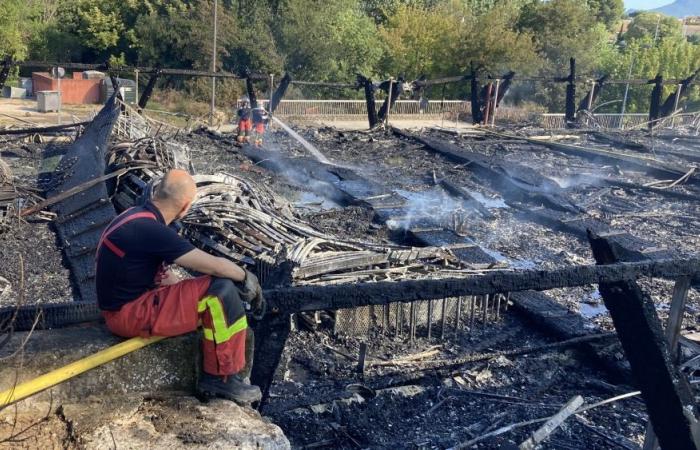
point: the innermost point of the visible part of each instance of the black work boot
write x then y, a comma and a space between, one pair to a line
234, 389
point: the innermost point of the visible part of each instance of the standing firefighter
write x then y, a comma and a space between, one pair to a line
245, 124
260, 119
140, 296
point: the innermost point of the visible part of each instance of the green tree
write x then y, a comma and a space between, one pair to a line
607, 12
326, 40
17, 18
650, 25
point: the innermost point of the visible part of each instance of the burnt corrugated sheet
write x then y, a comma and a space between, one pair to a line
82, 217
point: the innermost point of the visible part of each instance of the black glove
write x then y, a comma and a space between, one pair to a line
251, 292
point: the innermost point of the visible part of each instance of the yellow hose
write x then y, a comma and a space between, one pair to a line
38, 384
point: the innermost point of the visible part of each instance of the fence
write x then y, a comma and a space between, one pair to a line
358, 108
433, 109
626, 121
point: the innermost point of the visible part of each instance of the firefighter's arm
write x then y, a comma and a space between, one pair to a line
211, 265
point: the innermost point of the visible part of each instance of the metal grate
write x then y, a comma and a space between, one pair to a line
429, 318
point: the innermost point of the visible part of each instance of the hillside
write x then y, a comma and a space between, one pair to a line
681, 8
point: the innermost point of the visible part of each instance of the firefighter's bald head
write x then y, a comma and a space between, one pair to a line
176, 192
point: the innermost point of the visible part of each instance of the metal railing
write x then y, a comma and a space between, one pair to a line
622, 121
353, 108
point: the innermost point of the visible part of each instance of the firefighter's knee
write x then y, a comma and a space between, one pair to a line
226, 291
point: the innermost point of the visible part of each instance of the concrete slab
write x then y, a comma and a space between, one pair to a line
168, 365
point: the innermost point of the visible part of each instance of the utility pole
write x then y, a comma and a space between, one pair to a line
213, 69
627, 90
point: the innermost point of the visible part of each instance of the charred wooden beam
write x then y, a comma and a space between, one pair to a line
146, 94
396, 87
279, 92
83, 162
506, 81
552, 317
423, 82
655, 103
463, 193
477, 116
250, 89
40, 130
352, 295
683, 90
5, 71
270, 338
650, 165
587, 102
368, 86
530, 186
668, 397
570, 111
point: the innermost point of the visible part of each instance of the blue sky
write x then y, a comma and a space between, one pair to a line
645, 4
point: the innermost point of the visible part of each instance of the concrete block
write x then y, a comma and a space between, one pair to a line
168, 365
135, 402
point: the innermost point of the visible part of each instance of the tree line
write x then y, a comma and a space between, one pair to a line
333, 40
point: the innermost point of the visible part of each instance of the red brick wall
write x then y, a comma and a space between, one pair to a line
74, 91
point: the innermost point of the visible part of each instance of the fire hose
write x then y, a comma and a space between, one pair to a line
40, 383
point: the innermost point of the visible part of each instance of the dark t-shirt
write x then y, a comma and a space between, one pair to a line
146, 244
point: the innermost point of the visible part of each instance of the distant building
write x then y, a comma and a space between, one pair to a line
76, 90
691, 26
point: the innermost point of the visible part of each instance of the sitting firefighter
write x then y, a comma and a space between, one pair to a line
138, 296
245, 124
260, 119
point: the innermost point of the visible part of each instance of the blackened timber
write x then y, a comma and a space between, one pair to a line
553, 208
270, 338
477, 117
649, 165
655, 103
313, 298
5, 71
42, 130
589, 100
250, 89
684, 86
83, 162
279, 92
445, 80
570, 112
392, 97
148, 91
471, 201
368, 86
503, 88
518, 182
557, 320
666, 393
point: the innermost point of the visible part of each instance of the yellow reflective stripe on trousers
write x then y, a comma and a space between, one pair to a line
220, 333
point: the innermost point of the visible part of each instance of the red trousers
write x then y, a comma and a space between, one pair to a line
244, 126
180, 308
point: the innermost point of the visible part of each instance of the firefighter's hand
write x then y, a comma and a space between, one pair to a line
251, 292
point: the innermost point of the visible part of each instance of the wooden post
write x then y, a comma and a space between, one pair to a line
665, 392
673, 329
570, 112
655, 103
362, 358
